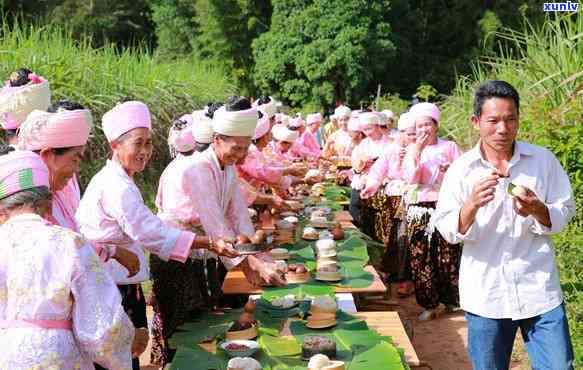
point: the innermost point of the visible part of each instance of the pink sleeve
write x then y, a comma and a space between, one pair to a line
259, 169
183, 246
377, 173
140, 224
411, 170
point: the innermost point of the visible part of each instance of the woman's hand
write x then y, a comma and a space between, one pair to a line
223, 248
127, 259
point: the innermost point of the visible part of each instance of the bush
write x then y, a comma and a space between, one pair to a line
98, 78
546, 66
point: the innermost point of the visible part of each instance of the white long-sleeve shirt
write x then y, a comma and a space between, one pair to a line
508, 267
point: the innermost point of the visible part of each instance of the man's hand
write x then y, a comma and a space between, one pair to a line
529, 205
140, 342
422, 141
223, 248
261, 271
128, 260
482, 194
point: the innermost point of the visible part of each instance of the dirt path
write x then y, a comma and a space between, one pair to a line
441, 343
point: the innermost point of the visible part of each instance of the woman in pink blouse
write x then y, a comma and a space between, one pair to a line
59, 308
384, 187
434, 262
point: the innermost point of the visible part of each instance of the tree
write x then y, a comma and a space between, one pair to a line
323, 51
122, 22
175, 27
226, 30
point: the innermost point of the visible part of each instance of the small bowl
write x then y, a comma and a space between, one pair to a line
252, 348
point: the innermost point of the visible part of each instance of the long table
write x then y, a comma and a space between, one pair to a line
236, 283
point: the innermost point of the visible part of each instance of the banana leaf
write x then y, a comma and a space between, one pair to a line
300, 291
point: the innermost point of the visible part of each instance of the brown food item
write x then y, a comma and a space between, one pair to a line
236, 347
259, 237
314, 344
300, 269
245, 321
243, 239
338, 233
250, 306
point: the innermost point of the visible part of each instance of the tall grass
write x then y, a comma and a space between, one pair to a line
545, 64
98, 78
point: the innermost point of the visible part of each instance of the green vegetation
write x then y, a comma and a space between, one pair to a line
98, 78
545, 64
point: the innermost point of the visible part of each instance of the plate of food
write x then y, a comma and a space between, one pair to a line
240, 347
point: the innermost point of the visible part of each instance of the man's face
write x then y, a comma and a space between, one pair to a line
343, 122
498, 124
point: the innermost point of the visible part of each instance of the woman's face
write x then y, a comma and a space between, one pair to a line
134, 151
355, 136
62, 167
426, 125
372, 131
408, 136
263, 140
231, 150
343, 122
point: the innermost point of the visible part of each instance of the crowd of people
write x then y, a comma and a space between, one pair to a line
71, 264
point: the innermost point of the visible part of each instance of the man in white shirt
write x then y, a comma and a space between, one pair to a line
508, 276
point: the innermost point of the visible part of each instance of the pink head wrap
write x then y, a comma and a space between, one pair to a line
354, 124
63, 129
314, 118
426, 110
406, 120
124, 118
389, 114
21, 170
296, 122
262, 128
182, 140
17, 102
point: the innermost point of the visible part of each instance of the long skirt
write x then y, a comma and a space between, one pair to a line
134, 304
434, 262
180, 292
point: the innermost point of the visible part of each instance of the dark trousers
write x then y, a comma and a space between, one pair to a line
134, 304
355, 206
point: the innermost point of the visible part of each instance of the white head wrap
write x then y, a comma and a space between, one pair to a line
406, 120
342, 111
202, 128
237, 123
269, 108
17, 102
354, 124
282, 133
389, 113
369, 118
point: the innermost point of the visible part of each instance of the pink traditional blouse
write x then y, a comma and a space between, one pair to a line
428, 173
112, 211
59, 308
310, 143
257, 170
201, 193
367, 149
342, 143
388, 170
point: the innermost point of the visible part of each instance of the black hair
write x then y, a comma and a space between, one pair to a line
211, 108
494, 89
5, 149
236, 103
263, 99
179, 124
20, 77
56, 151
260, 113
10, 133
201, 147
64, 104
